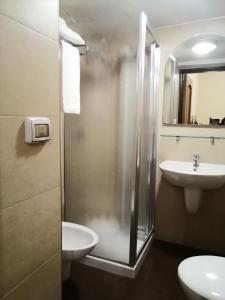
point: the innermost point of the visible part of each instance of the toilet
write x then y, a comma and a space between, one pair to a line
203, 277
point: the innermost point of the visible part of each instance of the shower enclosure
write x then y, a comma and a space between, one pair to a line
110, 147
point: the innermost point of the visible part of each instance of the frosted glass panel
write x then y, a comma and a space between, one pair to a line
104, 189
100, 146
146, 147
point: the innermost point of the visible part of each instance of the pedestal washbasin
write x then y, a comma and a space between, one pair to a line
193, 179
77, 242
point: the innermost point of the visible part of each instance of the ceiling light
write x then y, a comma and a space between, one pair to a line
203, 48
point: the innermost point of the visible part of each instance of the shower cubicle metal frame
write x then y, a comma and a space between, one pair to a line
144, 28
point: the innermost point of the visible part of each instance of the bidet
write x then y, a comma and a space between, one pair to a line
77, 242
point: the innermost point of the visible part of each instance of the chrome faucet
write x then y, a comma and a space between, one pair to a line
196, 160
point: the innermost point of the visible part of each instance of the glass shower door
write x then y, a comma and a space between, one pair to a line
110, 145
146, 151
147, 127
100, 143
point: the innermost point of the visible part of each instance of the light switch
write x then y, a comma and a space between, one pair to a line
37, 129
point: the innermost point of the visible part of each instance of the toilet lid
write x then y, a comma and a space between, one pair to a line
205, 275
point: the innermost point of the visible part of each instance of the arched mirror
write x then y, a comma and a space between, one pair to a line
194, 83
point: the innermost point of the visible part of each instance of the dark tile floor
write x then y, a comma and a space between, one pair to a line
157, 279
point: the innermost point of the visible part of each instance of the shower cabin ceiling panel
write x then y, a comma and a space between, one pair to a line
100, 21
110, 15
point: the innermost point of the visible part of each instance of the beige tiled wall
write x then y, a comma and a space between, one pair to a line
30, 210
206, 229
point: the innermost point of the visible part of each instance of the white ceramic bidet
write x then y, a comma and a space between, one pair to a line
77, 242
203, 277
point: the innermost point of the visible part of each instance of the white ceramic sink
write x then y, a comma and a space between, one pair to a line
77, 242
183, 174
193, 180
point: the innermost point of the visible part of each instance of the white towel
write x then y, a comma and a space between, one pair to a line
70, 78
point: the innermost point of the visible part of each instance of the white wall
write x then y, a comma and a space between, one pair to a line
210, 96
207, 228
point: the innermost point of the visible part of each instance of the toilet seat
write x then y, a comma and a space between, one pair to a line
204, 276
